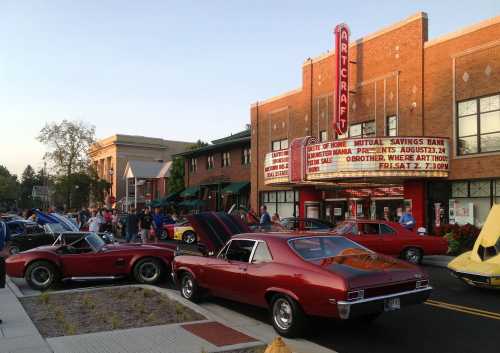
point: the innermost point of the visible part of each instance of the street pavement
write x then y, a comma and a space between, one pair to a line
457, 318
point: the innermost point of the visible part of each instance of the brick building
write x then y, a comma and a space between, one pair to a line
110, 157
444, 93
218, 175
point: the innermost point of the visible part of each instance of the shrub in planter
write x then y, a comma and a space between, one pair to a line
460, 238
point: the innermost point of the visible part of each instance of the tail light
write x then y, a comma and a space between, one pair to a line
422, 284
355, 295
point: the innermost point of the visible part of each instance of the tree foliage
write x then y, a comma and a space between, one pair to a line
197, 145
28, 180
176, 179
9, 189
69, 143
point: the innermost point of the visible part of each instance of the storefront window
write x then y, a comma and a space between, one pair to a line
480, 188
459, 189
473, 200
497, 191
281, 202
478, 122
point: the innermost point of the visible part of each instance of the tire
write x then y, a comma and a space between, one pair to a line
287, 316
412, 255
148, 271
41, 275
189, 287
189, 237
13, 250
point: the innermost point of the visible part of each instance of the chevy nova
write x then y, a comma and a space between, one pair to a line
300, 276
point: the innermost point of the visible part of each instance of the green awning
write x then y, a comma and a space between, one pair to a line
192, 203
235, 188
190, 192
169, 198
155, 203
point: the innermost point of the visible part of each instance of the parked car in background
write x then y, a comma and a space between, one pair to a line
480, 267
301, 276
306, 224
26, 235
181, 231
88, 257
391, 238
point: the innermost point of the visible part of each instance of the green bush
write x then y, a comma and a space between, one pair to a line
460, 238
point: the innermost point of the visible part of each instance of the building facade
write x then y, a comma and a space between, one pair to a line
218, 175
424, 130
111, 155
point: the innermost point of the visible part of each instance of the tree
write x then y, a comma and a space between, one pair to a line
9, 189
176, 179
69, 143
26, 189
198, 144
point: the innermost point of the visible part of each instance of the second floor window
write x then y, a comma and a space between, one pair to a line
226, 159
210, 161
246, 156
391, 126
323, 136
366, 129
193, 165
279, 145
478, 125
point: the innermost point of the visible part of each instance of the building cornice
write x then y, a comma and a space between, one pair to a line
278, 97
461, 32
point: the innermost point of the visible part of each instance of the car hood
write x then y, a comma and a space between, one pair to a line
214, 229
368, 269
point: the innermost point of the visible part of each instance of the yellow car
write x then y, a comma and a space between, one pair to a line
481, 266
181, 231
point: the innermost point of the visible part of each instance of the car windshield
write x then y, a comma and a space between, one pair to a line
345, 228
321, 247
95, 242
54, 228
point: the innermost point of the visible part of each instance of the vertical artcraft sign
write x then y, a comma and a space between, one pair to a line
342, 87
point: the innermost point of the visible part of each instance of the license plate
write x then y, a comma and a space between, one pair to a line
392, 304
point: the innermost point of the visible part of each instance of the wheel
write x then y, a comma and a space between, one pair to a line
189, 237
189, 287
148, 271
412, 255
287, 316
40, 275
14, 250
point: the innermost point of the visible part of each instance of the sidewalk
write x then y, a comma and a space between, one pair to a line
17, 332
224, 330
437, 260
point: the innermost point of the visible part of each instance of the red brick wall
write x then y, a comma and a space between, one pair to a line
236, 172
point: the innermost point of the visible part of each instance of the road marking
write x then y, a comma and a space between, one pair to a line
464, 309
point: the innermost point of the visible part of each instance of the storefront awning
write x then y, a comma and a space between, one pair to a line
235, 188
190, 192
192, 203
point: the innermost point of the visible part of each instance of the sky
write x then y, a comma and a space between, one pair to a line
181, 70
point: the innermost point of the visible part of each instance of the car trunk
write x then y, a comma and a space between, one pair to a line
377, 274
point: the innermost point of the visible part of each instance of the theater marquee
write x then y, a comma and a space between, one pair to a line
366, 157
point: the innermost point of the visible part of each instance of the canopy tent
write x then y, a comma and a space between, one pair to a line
192, 203
166, 200
235, 188
190, 192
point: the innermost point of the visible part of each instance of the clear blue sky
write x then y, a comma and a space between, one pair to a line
183, 70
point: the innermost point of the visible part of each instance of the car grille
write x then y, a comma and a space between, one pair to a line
389, 289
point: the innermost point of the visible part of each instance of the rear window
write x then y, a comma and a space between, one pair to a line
315, 248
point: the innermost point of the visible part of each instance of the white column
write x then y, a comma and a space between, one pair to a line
126, 194
135, 194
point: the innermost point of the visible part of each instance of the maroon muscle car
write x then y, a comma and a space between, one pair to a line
297, 276
391, 238
89, 258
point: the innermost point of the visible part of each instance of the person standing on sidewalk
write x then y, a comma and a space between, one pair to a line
4, 240
131, 225
145, 224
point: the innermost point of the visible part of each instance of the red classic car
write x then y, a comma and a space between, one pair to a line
391, 238
298, 276
89, 258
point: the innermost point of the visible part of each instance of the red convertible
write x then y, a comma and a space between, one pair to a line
88, 257
300, 276
391, 238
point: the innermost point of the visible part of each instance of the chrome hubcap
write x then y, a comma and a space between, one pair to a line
282, 314
412, 255
148, 271
40, 276
190, 238
187, 287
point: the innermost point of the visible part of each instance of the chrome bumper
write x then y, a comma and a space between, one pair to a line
350, 309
